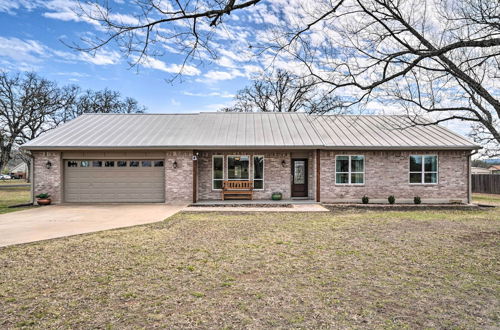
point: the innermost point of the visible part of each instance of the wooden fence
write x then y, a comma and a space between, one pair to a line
486, 183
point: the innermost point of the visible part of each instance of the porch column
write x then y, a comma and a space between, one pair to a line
195, 177
318, 175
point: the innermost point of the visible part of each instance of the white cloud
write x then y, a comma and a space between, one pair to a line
211, 94
73, 74
10, 6
31, 51
214, 75
217, 106
157, 64
22, 50
102, 57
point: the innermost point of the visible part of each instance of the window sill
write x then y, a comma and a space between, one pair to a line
350, 184
423, 184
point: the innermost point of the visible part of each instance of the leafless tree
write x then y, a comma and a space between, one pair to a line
90, 101
434, 57
25, 104
285, 92
31, 105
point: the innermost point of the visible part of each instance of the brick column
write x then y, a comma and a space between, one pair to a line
48, 180
179, 180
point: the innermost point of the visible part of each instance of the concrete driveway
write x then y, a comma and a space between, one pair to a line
65, 220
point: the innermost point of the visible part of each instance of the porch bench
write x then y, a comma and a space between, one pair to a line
237, 189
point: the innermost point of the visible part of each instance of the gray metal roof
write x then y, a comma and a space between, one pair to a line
246, 130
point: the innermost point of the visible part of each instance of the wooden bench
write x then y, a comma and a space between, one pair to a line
237, 189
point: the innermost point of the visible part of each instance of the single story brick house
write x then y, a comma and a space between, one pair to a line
170, 158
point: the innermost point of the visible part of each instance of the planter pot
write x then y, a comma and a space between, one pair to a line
276, 196
43, 201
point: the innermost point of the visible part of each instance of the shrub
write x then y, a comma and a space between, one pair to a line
365, 199
417, 200
43, 196
391, 199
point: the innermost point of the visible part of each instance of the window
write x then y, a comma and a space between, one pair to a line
350, 169
84, 163
134, 163
423, 169
237, 167
109, 163
72, 163
217, 172
146, 163
96, 163
159, 163
121, 163
258, 172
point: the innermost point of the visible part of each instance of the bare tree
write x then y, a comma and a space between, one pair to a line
435, 57
90, 101
285, 92
25, 104
185, 23
31, 105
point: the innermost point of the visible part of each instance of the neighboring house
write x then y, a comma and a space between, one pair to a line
480, 170
494, 169
19, 171
186, 157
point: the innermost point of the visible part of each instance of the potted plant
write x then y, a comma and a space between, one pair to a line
276, 196
365, 199
43, 199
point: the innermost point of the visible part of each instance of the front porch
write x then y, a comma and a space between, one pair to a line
294, 173
254, 203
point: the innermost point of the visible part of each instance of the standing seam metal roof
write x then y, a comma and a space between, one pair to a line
247, 130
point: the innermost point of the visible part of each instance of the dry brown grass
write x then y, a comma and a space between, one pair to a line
261, 270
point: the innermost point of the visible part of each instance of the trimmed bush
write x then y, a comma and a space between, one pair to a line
417, 200
365, 199
391, 199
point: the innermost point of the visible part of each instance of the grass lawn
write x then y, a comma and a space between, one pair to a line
492, 199
11, 182
13, 196
424, 269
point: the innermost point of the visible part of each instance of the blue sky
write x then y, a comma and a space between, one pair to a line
30, 39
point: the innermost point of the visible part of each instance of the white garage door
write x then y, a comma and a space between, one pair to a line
114, 181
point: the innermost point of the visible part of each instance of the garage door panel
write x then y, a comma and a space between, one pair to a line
114, 184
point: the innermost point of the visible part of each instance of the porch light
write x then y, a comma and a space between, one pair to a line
283, 163
48, 164
174, 164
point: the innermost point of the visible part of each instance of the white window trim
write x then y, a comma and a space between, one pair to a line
350, 172
263, 171
249, 167
213, 173
423, 171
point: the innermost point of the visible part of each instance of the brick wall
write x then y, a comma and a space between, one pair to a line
276, 177
179, 181
48, 180
386, 173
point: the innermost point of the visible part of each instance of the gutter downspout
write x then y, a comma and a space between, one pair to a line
469, 172
32, 179
318, 175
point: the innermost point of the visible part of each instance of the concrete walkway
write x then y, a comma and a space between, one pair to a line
65, 220
293, 208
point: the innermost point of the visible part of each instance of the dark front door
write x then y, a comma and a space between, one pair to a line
299, 177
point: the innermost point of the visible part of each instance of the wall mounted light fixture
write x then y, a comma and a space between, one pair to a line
48, 164
283, 163
174, 164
